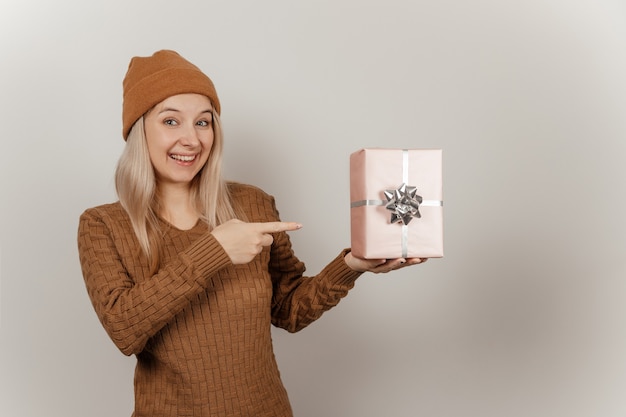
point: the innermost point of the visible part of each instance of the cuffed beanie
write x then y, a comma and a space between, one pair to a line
150, 80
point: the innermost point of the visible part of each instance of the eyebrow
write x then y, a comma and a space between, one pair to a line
165, 110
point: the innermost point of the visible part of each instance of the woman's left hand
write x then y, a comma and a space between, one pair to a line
378, 266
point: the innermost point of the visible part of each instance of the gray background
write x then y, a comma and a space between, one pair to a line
526, 314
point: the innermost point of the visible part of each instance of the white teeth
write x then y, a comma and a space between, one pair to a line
183, 158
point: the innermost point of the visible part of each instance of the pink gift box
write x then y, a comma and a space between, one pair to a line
396, 203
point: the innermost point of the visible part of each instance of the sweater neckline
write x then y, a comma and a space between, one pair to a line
170, 226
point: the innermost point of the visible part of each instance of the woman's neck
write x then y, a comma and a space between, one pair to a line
176, 206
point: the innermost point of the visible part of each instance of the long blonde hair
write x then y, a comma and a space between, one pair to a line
135, 183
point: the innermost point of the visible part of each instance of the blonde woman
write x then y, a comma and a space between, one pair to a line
187, 271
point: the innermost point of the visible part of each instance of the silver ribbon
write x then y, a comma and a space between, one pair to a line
403, 202
424, 203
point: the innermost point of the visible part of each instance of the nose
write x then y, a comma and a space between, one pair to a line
189, 136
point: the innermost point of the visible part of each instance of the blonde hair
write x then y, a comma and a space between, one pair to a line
135, 183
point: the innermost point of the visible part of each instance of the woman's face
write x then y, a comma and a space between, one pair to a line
179, 134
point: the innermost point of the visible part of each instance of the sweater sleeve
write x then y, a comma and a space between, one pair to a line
299, 300
133, 310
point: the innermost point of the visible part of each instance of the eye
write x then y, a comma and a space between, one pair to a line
170, 122
204, 123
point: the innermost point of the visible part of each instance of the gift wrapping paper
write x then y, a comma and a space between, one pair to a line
396, 203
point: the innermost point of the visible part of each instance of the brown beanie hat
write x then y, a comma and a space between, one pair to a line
150, 80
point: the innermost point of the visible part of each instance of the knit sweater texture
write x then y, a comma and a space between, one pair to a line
201, 327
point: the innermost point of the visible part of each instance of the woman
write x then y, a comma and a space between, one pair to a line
187, 271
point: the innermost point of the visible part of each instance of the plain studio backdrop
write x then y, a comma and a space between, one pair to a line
526, 313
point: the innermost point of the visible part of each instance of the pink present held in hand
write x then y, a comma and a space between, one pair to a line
396, 203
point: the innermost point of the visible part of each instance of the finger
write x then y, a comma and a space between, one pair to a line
401, 263
267, 240
393, 264
415, 261
380, 266
372, 264
275, 227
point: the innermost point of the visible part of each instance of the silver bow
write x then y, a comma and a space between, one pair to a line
403, 203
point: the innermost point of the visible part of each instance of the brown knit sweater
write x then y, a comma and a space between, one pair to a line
200, 326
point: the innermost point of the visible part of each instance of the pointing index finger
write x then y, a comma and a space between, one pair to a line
274, 227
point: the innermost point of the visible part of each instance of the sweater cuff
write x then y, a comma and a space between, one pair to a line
340, 273
207, 255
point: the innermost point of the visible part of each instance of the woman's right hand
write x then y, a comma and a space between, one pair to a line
243, 241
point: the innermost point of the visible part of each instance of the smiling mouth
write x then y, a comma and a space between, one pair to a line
183, 158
